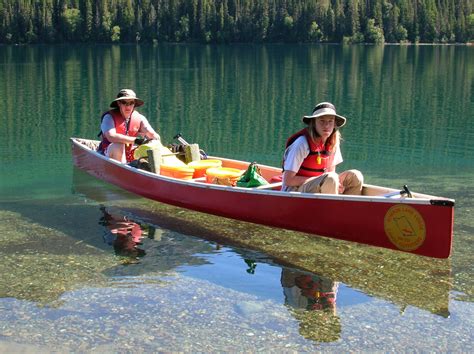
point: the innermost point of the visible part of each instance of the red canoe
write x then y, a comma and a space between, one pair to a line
421, 225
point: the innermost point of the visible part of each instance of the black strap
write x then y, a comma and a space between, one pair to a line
324, 105
127, 125
324, 152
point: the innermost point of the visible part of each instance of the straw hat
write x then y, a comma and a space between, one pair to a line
127, 94
325, 109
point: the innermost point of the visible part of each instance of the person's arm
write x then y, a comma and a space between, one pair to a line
147, 130
292, 180
109, 131
336, 159
294, 157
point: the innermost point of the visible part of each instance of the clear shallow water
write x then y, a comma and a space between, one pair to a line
200, 283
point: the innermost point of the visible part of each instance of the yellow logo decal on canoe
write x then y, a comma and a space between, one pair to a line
405, 227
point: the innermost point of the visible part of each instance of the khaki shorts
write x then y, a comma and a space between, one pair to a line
347, 182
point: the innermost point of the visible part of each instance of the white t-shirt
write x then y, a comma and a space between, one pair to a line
299, 150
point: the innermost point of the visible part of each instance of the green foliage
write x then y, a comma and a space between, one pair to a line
288, 22
72, 23
315, 33
351, 21
374, 33
115, 37
355, 39
358, 38
182, 33
470, 27
401, 34
86, 12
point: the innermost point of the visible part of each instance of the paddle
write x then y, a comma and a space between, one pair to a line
403, 192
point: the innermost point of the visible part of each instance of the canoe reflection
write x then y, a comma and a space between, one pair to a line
312, 300
404, 280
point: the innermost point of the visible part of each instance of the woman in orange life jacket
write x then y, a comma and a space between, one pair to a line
312, 154
122, 126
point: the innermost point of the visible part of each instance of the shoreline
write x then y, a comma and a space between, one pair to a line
468, 44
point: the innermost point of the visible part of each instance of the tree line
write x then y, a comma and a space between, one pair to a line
225, 21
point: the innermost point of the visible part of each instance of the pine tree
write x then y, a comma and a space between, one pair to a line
86, 8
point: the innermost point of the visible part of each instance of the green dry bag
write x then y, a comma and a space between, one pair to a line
251, 177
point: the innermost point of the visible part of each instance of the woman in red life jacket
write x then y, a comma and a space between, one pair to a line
312, 154
122, 126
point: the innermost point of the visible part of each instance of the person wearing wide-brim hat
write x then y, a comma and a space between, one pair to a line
312, 154
122, 127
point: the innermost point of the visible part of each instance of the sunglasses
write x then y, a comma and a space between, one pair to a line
127, 103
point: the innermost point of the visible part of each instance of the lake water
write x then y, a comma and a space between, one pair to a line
71, 278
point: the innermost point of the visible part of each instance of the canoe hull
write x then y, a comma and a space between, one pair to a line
404, 224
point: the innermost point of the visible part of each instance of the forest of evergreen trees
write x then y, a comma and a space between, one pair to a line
224, 21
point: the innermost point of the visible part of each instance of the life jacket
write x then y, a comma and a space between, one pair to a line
316, 163
322, 300
321, 292
129, 128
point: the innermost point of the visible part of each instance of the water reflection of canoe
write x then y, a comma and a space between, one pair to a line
422, 225
401, 278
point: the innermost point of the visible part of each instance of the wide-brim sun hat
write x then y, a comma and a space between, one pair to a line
127, 94
325, 109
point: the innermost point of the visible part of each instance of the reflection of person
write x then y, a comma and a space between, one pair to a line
124, 235
122, 126
313, 300
307, 291
312, 154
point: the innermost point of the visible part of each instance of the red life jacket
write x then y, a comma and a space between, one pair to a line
129, 128
316, 163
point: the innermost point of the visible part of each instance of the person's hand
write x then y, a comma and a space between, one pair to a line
341, 188
139, 140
